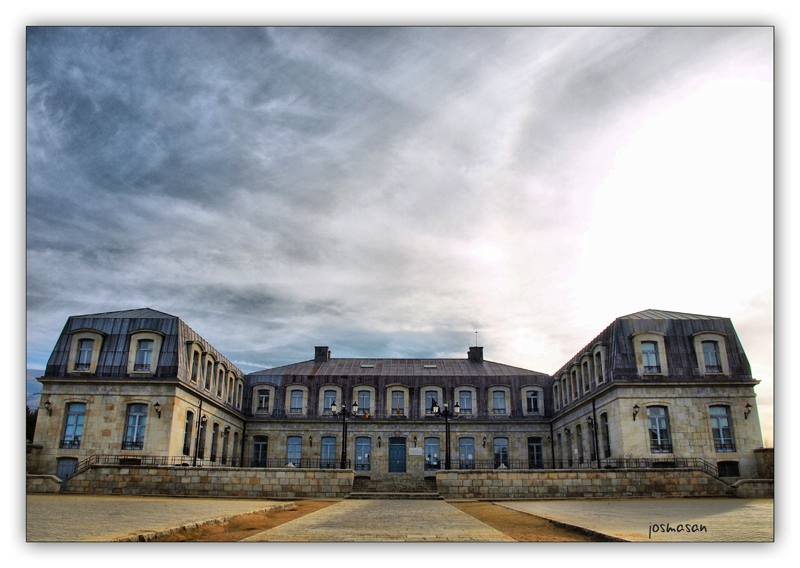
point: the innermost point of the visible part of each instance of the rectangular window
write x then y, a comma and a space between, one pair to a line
430, 396
195, 365
499, 402
586, 378
84, 361
466, 453
533, 401
535, 453
73, 425
209, 375
569, 449
650, 357
658, 425
220, 382
501, 452
579, 431
398, 403
328, 454
144, 355
230, 391
363, 450
201, 445
432, 453
263, 401
329, 397
294, 448
728, 469
134, 427
296, 402
465, 401
598, 368
606, 434
364, 402
214, 436
711, 357
225, 446
721, 429
187, 433
259, 451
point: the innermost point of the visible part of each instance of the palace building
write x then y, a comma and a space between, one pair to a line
654, 386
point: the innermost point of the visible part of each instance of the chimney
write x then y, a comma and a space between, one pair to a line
475, 354
322, 354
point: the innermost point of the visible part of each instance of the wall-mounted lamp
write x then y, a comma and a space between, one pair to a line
415, 441
484, 441
310, 442
157, 408
244, 438
635, 411
379, 441
203, 420
566, 430
227, 429
549, 439
747, 410
590, 421
48, 408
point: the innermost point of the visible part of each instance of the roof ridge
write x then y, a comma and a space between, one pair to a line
129, 311
662, 314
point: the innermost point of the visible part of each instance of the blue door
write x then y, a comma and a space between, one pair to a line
397, 455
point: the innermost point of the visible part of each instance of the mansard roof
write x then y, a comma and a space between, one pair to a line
397, 367
137, 313
665, 315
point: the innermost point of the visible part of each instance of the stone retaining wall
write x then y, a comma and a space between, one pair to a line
42, 484
556, 484
755, 488
765, 462
213, 482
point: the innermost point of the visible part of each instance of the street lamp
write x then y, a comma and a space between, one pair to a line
345, 414
446, 413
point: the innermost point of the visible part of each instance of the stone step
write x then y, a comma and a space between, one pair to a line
393, 495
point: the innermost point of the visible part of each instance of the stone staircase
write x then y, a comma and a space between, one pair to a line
394, 486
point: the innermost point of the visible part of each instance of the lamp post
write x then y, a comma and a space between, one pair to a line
446, 413
345, 414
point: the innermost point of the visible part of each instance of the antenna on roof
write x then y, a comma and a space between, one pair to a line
476, 339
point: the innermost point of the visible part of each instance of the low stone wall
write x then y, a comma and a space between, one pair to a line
765, 462
213, 482
42, 484
755, 488
558, 484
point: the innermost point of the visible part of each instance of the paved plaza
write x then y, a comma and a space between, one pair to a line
95, 518
384, 521
648, 520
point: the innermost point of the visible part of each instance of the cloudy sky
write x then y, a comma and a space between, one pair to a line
390, 191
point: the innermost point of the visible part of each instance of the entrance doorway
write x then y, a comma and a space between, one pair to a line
397, 455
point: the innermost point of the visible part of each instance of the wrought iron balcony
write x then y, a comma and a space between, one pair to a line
141, 366
132, 444
661, 447
726, 446
652, 368
713, 368
70, 443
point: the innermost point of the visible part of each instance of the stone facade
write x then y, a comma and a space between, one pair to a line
213, 482
561, 484
42, 484
765, 462
142, 383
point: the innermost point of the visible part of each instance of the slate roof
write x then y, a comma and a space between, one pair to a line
137, 313
397, 368
662, 314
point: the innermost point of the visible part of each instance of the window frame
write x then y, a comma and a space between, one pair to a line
720, 339
432, 461
722, 443
73, 441
135, 338
363, 461
661, 443
660, 350
294, 445
98, 337
135, 442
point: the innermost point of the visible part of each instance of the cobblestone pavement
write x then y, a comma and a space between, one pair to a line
384, 521
94, 518
726, 520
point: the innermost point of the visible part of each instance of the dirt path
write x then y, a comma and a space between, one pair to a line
519, 526
243, 526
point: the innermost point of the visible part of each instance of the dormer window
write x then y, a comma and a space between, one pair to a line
83, 361
650, 357
144, 355
711, 357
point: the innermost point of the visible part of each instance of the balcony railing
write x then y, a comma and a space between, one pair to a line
82, 366
652, 368
141, 366
70, 443
661, 447
726, 446
132, 444
713, 368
